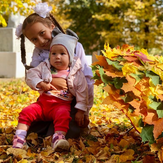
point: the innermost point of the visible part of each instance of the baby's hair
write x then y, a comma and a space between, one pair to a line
31, 19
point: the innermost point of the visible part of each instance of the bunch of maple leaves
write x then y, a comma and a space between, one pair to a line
134, 82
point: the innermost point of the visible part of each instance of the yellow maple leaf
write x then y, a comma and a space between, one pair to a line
129, 68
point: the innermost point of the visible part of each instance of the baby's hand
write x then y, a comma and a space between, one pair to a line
45, 86
79, 118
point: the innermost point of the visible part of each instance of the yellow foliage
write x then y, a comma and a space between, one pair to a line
14, 96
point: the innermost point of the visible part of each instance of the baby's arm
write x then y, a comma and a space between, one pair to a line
39, 78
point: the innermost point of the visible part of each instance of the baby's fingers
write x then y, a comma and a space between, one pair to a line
52, 87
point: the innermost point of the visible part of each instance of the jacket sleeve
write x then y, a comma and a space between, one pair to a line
87, 73
36, 59
81, 92
38, 74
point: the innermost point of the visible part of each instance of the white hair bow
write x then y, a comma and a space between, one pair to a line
42, 9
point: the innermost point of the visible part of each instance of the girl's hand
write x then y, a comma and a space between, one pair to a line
45, 86
86, 121
59, 83
79, 118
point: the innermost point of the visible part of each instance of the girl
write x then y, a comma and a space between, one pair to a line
38, 27
55, 104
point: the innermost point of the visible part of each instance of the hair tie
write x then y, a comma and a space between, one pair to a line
42, 9
18, 31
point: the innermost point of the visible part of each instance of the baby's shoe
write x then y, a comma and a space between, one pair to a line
59, 142
18, 142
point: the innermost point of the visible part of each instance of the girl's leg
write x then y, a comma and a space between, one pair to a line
74, 129
42, 128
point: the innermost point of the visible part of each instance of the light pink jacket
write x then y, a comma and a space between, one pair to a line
41, 55
76, 80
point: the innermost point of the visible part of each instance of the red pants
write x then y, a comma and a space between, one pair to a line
48, 108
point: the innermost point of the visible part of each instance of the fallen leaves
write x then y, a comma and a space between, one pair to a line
111, 138
14, 96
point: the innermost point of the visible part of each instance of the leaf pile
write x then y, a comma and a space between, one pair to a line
111, 138
134, 82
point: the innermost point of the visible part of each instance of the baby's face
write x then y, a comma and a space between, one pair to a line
59, 57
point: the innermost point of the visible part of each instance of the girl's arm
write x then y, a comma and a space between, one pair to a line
81, 94
87, 72
59, 83
36, 58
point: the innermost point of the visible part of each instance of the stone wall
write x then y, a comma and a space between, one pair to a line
10, 56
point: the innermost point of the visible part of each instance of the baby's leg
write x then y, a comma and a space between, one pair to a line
20, 134
22, 126
61, 116
26, 116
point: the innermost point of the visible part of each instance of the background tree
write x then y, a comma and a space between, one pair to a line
61, 18
25, 7
80, 13
135, 22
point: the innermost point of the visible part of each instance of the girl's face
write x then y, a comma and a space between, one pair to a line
40, 35
59, 57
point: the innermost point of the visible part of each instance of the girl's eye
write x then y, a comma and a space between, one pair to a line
62, 53
53, 53
42, 33
34, 40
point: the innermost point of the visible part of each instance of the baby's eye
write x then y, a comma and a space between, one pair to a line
62, 53
53, 53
